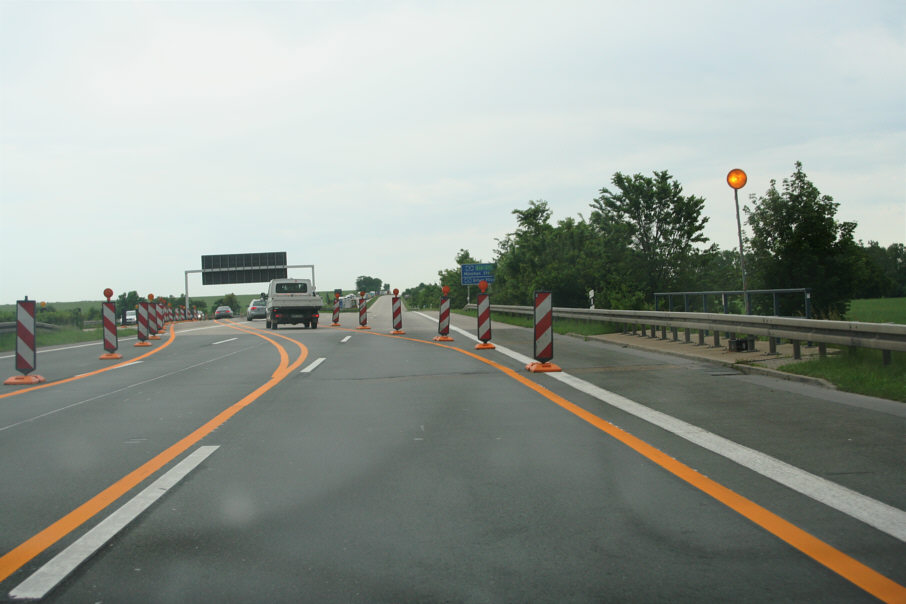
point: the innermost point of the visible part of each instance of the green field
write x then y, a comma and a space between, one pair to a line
878, 310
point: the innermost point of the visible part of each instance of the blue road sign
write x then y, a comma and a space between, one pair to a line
473, 274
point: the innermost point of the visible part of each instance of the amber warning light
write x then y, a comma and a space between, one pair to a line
736, 178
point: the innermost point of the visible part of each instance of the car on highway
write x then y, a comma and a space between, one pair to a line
223, 312
130, 318
256, 310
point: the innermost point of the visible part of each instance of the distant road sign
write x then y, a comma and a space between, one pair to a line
473, 274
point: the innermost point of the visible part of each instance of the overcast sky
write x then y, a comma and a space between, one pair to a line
379, 137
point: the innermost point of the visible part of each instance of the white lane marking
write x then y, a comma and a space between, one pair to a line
344, 340
113, 368
872, 512
314, 364
224, 341
48, 576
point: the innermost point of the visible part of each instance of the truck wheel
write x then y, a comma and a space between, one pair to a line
267, 323
306, 324
314, 323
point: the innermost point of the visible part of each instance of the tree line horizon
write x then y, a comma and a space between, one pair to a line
643, 235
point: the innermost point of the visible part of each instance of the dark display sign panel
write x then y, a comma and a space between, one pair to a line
243, 268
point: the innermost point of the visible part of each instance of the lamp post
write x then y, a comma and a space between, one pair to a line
737, 180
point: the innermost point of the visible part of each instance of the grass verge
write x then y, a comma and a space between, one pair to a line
64, 335
859, 370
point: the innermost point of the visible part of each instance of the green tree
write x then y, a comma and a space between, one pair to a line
422, 296
367, 284
661, 225
228, 300
884, 273
797, 242
127, 301
452, 278
521, 259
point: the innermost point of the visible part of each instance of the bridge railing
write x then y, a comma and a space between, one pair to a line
886, 337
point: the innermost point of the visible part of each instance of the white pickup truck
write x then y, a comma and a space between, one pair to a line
292, 301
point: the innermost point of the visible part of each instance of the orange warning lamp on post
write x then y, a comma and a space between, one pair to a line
483, 286
445, 289
108, 293
737, 180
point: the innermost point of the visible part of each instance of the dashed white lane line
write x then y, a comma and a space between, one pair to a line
872, 512
344, 340
224, 341
313, 365
48, 576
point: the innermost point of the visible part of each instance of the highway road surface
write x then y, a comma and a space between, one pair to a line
230, 463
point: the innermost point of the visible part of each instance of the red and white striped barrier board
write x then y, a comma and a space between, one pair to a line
159, 310
363, 314
484, 322
26, 348
336, 311
443, 321
142, 320
397, 307
152, 321
111, 341
26, 345
544, 333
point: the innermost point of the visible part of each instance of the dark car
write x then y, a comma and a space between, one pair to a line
256, 310
223, 312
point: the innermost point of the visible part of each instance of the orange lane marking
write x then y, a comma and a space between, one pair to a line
847, 567
20, 555
284, 357
91, 373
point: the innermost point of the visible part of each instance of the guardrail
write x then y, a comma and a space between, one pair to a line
880, 336
10, 326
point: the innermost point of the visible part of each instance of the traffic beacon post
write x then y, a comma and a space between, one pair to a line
397, 307
544, 334
152, 319
737, 180
336, 309
484, 318
111, 341
26, 346
443, 318
363, 312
